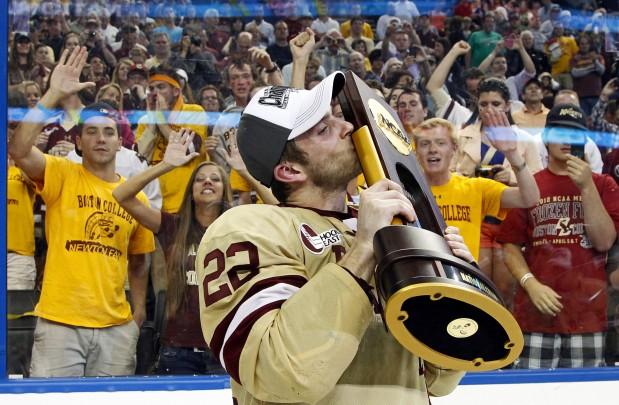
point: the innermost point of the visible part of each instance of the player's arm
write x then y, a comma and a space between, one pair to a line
283, 337
64, 81
440, 381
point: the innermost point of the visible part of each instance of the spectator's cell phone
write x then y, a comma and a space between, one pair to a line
487, 172
578, 150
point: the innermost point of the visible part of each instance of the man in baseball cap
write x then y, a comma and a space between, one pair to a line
97, 114
305, 298
276, 115
566, 125
557, 249
93, 244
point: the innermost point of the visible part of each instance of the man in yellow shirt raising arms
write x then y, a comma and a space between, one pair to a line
85, 325
168, 112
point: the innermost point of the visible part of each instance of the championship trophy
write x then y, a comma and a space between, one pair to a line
436, 305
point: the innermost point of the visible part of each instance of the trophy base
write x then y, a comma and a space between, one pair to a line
439, 306
453, 327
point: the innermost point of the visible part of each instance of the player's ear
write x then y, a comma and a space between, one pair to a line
288, 172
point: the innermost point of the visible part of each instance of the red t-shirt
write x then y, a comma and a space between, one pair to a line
182, 329
559, 254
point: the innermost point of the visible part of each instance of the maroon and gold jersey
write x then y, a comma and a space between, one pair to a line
290, 325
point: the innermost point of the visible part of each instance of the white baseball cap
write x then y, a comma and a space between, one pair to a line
278, 114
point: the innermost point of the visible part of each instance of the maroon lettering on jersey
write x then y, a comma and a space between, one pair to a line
237, 275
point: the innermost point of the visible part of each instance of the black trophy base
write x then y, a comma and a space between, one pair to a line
440, 307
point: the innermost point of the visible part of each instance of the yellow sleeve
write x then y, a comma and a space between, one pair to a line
345, 29
491, 192
142, 239
367, 31
139, 131
56, 170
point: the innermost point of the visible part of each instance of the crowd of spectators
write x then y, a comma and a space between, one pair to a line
167, 65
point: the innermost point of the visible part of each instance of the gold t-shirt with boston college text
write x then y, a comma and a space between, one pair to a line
464, 202
89, 236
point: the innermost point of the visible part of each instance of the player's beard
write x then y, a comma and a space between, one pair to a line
333, 172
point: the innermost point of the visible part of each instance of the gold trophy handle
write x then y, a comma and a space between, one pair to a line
368, 156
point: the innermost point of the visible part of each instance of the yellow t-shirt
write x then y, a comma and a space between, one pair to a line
20, 215
89, 236
174, 183
566, 47
367, 30
464, 202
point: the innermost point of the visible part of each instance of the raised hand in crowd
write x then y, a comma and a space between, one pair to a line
502, 137
65, 79
302, 45
232, 155
441, 72
261, 58
460, 48
138, 91
499, 131
177, 152
612, 86
301, 48
212, 144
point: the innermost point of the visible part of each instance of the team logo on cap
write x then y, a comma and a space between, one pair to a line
390, 128
316, 243
276, 96
571, 112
